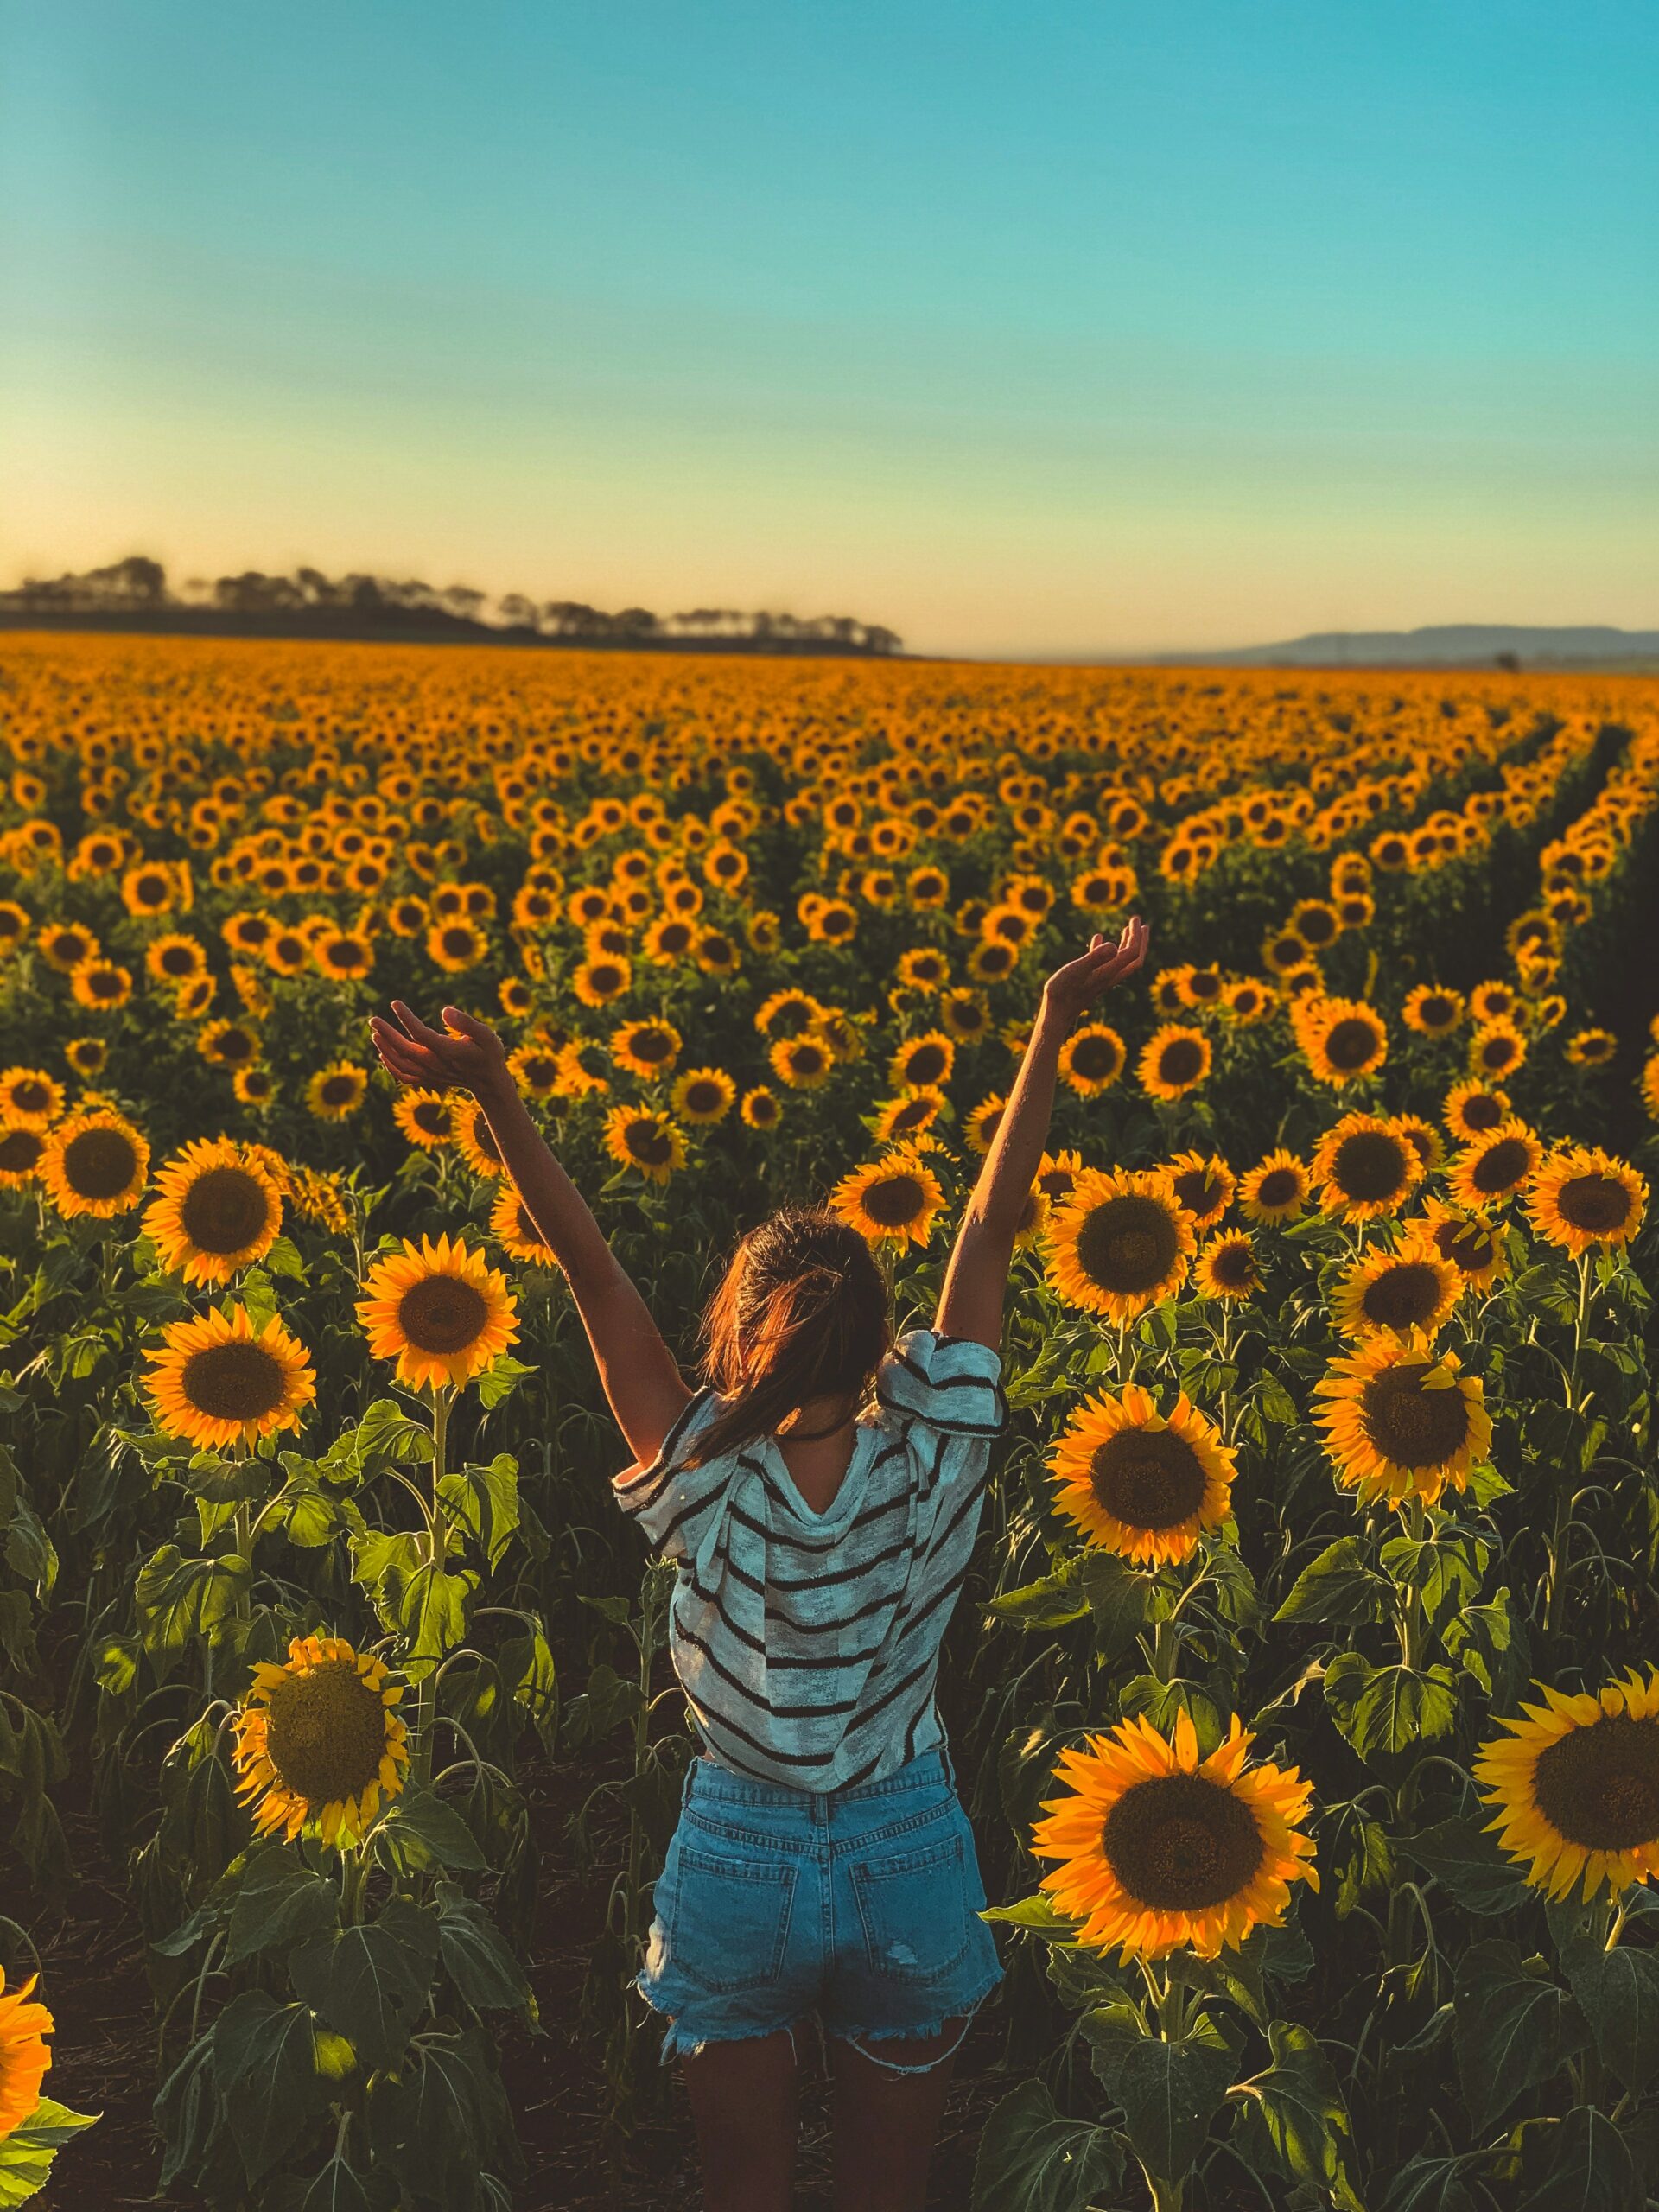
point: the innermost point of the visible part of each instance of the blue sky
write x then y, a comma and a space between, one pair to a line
1041, 329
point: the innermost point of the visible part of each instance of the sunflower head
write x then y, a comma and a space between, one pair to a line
219, 1381
95, 1163
1575, 1784
24, 2058
1175, 1060
218, 1209
1584, 1200
1228, 1268
1365, 1167
1120, 1242
1158, 1849
1277, 1190
319, 1742
1394, 1293
1496, 1165
1204, 1183
1402, 1423
439, 1310
894, 1201
1469, 1242
1139, 1485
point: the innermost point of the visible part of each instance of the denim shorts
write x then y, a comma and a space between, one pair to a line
859, 1906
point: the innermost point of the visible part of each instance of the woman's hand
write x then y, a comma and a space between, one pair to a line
466, 1054
1072, 990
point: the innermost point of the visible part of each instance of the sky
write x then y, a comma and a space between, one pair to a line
1044, 328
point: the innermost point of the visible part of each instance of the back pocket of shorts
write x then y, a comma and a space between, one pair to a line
727, 1925
914, 1910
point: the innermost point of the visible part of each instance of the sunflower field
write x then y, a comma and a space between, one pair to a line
1304, 1692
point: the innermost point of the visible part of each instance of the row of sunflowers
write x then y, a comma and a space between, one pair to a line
1307, 1687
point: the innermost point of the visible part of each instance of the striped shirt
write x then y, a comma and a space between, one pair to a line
808, 1643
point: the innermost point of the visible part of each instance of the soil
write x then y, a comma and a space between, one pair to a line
105, 2061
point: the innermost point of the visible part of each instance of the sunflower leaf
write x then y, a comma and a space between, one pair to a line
370, 1983
1618, 1992
1590, 2168
1514, 2029
1467, 1863
263, 2065
1338, 1587
280, 1903
1031, 2159
474, 1954
1052, 1601
436, 1831
1297, 2106
1170, 2092
27, 2152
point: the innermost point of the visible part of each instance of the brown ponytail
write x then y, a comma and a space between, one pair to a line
801, 1313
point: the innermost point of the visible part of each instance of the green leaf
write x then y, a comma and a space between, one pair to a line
1514, 2029
1277, 1403
436, 2117
525, 1665
370, 1983
183, 1601
1338, 1587
474, 1954
26, 2154
424, 1830
1033, 2159
1467, 1863
500, 1379
1170, 2092
1052, 1601
483, 1502
385, 1433
1425, 2185
429, 1606
280, 1903
262, 2064
1384, 1710
283, 1259
1117, 1598
1618, 1992
1037, 1915
1297, 2106
1590, 2168
336, 2189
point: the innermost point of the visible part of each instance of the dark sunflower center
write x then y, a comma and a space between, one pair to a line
237, 1381
1128, 1244
1094, 1058
1497, 1052
1181, 1060
236, 1044
1437, 1013
99, 1163
1502, 1166
1317, 926
1413, 1427
1234, 1267
20, 1150
338, 1090
432, 1117
106, 983
763, 1109
1465, 1245
442, 1314
1149, 1477
914, 1114
1599, 1786
1056, 1183
327, 1732
650, 1144
1371, 1166
652, 1045
1280, 1186
1205, 987
926, 1064
702, 1098
225, 1211
1199, 1191
1180, 1844
482, 1139
178, 960
30, 1096
895, 1201
1351, 1044
807, 1059
1482, 1112
528, 1232
457, 942
1402, 1297
1596, 1204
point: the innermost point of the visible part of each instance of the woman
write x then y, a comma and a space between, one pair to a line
823, 1866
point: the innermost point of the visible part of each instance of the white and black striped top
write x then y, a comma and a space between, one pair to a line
807, 1643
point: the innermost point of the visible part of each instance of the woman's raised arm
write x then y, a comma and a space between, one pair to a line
970, 1304
647, 1390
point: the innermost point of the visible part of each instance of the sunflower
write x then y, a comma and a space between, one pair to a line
645, 1048
1277, 1190
427, 1118
1058, 1173
22, 1146
759, 1107
964, 1017
318, 1742
1592, 1048
512, 1228
981, 1124
909, 1115
24, 2059
1174, 1061
1424, 1138
1342, 1038
1366, 1167
31, 1097
1496, 1165
1249, 1000
1576, 1785
1120, 1242
894, 1201
228, 1043
1160, 1849
804, 1063
458, 945
788, 1013
1472, 1109
95, 1163
1471, 1243
335, 1092
1496, 1049
704, 1096
1227, 1267
534, 1066
1204, 1183
217, 1208
1431, 1010
1415, 1287
1092, 1059
100, 985
218, 1381
1586, 1200
923, 969
87, 1056
439, 1310
64, 945
648, 1142
1400, 1421
1138, 1485
924, 1063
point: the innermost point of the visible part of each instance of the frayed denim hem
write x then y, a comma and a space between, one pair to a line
860, 2038
678, 2043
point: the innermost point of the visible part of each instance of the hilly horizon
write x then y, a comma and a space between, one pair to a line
1450, 645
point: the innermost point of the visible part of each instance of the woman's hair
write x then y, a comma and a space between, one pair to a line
801, 1313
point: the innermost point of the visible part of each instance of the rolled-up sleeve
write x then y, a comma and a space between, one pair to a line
953, 1384
667, 1499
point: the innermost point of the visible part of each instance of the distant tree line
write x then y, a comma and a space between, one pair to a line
138, 587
